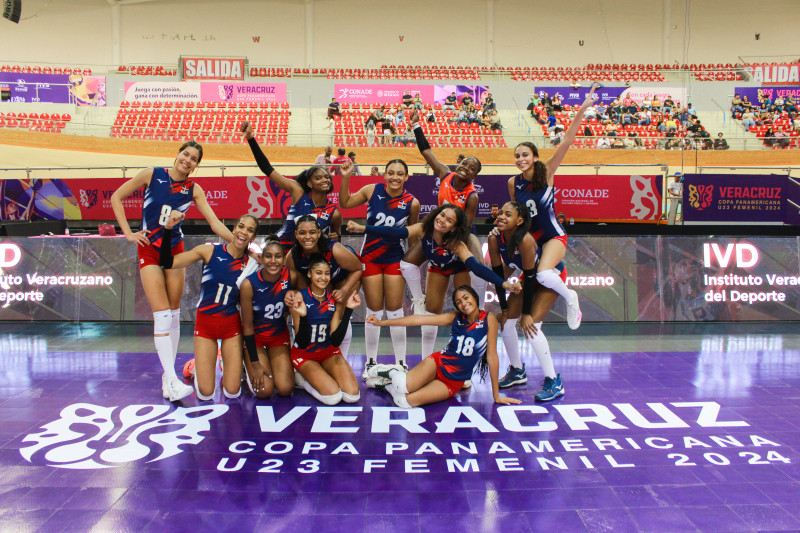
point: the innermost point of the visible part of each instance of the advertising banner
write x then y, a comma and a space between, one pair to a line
754, 93
206, 91
212, 68
792, 203
55, 88
773, 74
392, 93
734, 198
606, 95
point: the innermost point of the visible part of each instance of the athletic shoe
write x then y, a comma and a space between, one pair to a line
467, 384
382, 371
174, 389
369, 364
401, 365
514, 376
551, 389
418, 304
574, 311
377, 383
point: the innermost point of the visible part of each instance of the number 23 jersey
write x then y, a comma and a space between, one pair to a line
268, 303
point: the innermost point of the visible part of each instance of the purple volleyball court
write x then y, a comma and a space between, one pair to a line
663, 428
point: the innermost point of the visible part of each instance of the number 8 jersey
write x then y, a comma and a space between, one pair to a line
468, 341
219, 292
161, 197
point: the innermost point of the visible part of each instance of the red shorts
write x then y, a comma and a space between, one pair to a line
273, 341
561, 238
452, 268
148, 255
217, 327
373, 269
452, 386
300, 356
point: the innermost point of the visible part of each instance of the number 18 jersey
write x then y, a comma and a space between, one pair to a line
468, 342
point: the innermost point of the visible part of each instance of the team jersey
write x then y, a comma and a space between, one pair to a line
383, 210
161, 197
319, 315
306, 206
441, 259
468, 342
514, 261
448, 194
219, 292
337, 272
268, 303
541, 203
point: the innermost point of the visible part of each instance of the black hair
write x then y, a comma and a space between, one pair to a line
495, 205
458, 234
393, 161
315, 260
539, 168
351, 155
193, 144
322, 244
483, 366
522, 229
271, 240
477, 161
341, 151
248, 215
305, 175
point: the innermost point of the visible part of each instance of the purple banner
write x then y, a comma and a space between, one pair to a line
571, 96
55, 88
792, 202
753, 93
734, 198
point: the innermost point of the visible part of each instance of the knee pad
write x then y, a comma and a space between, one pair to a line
395, 314
229, 395
162, 322
176, 318
399, 382
331, 399
201, 396
549, 278
350, 398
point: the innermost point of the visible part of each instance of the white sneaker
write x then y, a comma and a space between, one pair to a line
382, 371
375, 383
174, 389
367, 366
574, 314
467, 384
418, 304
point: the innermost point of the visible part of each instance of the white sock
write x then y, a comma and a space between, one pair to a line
350, 398
428, 339
511, 342
552, 280
542, 350
399, 381
411, 274
399, 398
162, 323
331, 399
479, 284
398, 334
348, 338
175, 331
372, 336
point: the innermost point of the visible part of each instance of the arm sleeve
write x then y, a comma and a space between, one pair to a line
482, 272
501, 292
250, 344
338, 336
528, 290
387, 231
165, 253
303, 336
422, 142
261, 159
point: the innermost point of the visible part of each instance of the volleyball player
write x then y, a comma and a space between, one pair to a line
266, 335
309, 190
473, 341
320, 324
388, 204
534, 188
166, 190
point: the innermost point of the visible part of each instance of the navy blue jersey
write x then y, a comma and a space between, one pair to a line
384, 210
468, 342
161, 197
440, 258
219, 292
514, 261
319, 315
337, 272
306, 206
541, 203
268, 303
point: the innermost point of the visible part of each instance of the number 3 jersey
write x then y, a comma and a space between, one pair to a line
268, 303
383, 210
319, 314
219, 290
541, 203
468, 341
163, 196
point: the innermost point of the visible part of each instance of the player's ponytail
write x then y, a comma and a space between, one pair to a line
539, 168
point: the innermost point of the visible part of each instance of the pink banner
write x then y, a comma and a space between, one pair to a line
628, 197
205, 91
384, 93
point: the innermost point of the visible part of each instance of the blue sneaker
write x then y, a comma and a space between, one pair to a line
514, 376
551, 389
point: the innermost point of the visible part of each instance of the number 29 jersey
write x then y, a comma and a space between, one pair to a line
541, 203
268, 303
383, 210
468, 342
161, 197
219, 292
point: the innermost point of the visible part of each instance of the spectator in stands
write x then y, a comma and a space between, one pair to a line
375, 171
683, 117
556, 136
769, 137
389, 131
557, 106
646, 102
399, 120
494, 119
467, 100
748, 118
779, 103
370, 131
644, 117
691, 111
430, 116
655, 105
603, 143
669, 104
377, 115
736, 106
333, 109
461, 118
789, 106
633, 140
493, 216
356, 169
547, 102
618, 143
324, 160
720, 143
626, 118
407, 137
781, 139
746, 103
338, 160
674, 194
450, 102
562, 218
408, 100
418, 101
591, 112
611, 129
488, 103
697, 130
672, 143
532, 104
556, 124
472, 115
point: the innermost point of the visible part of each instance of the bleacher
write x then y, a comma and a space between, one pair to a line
44, 122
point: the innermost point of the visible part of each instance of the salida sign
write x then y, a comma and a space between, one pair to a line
212, 68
